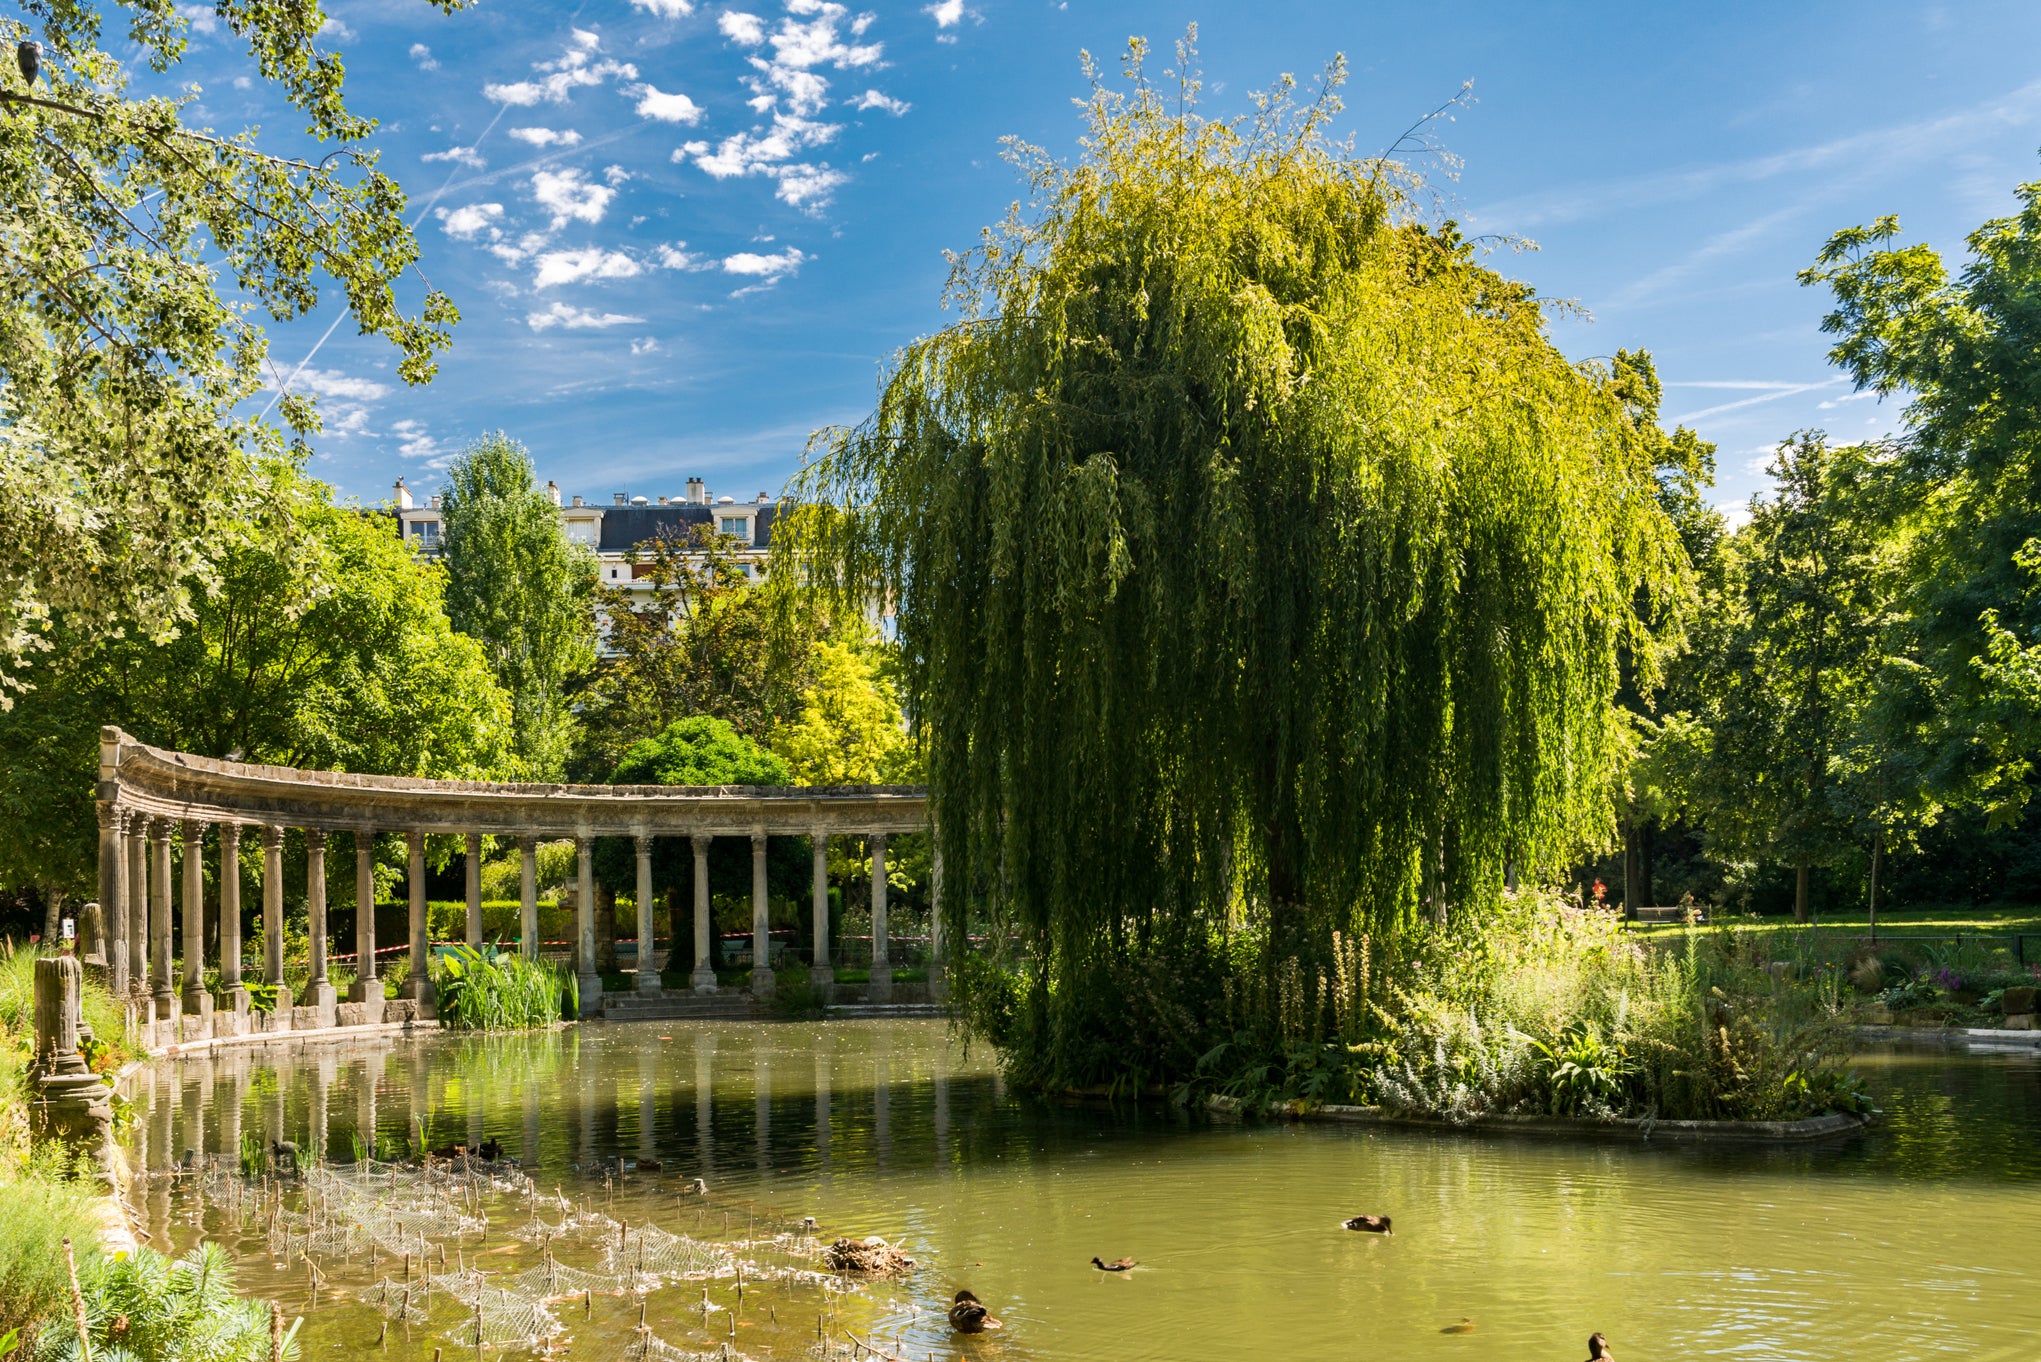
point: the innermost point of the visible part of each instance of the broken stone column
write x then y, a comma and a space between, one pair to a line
72, 1104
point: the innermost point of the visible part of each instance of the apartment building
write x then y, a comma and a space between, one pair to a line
614, 530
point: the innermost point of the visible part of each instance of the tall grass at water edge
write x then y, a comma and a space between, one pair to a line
508, 993
1544, 1008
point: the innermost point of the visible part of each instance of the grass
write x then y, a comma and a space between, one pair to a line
1960, 920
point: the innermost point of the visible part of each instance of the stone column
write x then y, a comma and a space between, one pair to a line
233, 995
134, 831
159, 918
475, 889
528, 896
938, 977
418, 984
648, 966
761, 924
71, 1102
584, 913
881, 990
272, 924
113, 863
367, 987
704, 978
318, 990
819, 972
197, 1002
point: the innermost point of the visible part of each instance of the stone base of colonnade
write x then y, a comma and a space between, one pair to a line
224, 1022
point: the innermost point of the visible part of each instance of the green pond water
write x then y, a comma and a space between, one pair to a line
1921, 1239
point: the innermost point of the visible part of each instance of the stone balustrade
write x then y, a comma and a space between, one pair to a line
148, 796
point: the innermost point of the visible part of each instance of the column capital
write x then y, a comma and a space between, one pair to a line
644, 841
315, 839
272, 837
584, 842
365, 837
474, 844
877, 839
195, 827
111, 815
701, 842
414, 842
230, 834
527, 843
159, 829
758, 836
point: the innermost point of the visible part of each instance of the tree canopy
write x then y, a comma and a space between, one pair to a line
1258, 559
138, 247
516, 585
322, 643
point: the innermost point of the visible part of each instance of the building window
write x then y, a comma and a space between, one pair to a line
737, 525
428, 533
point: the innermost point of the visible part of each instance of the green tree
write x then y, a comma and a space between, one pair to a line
1788, 658
1259, 562
691, 635
1967, 474
517, 585
849, 730
137, 248
322, 643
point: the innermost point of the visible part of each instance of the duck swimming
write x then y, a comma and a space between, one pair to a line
968, 1315
1465, 1326
1367, 1224
1598, 1348
1116, 1265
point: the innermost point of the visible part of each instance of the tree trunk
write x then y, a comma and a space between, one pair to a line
1877, 860
1801, 877
53, 916
1636, 877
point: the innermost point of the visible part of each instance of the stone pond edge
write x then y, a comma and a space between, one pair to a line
1812, 1128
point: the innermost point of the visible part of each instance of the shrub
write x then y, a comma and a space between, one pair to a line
148, 1306
507, 993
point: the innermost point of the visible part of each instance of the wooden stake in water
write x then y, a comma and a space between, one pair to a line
275, 1332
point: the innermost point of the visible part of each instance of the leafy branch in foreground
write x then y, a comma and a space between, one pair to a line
123, 353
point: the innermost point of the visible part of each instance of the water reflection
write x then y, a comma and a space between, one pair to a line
1922, 1235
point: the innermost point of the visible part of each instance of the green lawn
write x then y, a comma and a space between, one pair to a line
1965, 920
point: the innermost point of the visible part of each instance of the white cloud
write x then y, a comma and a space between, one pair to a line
688, 149
678, 257
571, 267
766, 267
946, 13
243, 83
576, 319
466, 223
415, 442
333, 383
201, 19
872, 99
667, 108
339, 30
573, 69
666, 9
809, 187
747, 29
547, 137
1865, 395
645, 345
615, 175
422, 54
466, 156
569, 196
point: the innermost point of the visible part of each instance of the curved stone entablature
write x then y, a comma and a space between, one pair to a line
178, 785
149, 797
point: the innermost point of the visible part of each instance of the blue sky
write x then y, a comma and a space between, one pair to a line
685, 234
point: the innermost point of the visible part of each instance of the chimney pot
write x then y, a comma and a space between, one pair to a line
620, 498
552, 491
577, 501
403, 495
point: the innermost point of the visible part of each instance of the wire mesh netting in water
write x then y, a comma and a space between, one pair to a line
413, 1236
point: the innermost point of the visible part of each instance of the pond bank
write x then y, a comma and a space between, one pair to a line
1628, 1128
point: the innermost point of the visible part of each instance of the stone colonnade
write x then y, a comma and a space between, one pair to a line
147, 795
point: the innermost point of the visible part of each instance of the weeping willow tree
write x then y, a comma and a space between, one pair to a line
1261, 569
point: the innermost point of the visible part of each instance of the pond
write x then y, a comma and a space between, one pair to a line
1920, 1239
